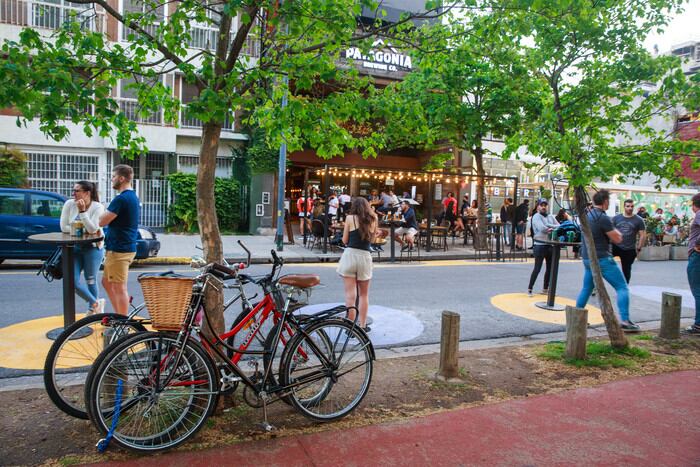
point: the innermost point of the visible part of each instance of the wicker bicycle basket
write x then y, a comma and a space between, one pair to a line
167, 300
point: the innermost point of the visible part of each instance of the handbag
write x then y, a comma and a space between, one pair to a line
52, 267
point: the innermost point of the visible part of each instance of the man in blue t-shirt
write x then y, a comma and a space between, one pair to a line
122, 216
603, 233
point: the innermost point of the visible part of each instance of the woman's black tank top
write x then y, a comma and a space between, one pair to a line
355, 239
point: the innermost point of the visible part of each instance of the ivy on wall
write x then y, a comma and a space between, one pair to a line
182, 213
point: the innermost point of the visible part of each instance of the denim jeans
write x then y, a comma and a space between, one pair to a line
87, 260
542, 253
613, 275
694, 282
507, 232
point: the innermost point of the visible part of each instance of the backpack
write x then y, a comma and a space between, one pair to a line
52, 267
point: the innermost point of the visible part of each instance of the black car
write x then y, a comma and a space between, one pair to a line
25, 212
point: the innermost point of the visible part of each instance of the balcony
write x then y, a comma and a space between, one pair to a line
132, 110
187, 121
50, 14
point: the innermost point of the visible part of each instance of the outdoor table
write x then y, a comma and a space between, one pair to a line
392, 224
67, 244
553, 273
469, 226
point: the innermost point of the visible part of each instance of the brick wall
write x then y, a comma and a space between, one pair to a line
688, 131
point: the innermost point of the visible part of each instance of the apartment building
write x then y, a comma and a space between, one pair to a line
55, 165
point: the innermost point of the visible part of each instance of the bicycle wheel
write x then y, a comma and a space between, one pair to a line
74, 352
330, 382
168, 391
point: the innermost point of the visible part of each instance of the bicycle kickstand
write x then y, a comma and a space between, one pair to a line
265, 425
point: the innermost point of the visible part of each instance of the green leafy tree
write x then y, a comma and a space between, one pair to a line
13, 169
596, 116
470, 84
54, 79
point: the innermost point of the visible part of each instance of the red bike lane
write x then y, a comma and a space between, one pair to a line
650, 420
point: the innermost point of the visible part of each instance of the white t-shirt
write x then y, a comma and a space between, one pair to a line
333, 206
345, 198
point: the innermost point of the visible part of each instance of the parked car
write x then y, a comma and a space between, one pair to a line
25, 212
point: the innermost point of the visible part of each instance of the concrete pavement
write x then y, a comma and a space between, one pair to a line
646, 421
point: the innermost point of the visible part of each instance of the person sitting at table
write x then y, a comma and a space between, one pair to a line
542, 223
671, 228
409, 227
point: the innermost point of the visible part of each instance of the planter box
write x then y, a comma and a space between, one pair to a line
679, 253
655, 253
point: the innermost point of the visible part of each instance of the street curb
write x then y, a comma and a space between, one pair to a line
20, 383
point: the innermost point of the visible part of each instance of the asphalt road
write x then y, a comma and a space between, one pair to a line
409, 297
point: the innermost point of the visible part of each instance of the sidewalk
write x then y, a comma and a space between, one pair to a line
651, 420
179, 248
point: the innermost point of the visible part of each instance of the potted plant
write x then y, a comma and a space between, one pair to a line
679, 251
654, 250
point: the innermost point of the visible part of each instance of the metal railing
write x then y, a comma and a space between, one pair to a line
187, 121
45, 15
132, 110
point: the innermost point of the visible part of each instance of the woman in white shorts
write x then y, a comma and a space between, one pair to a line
355, 264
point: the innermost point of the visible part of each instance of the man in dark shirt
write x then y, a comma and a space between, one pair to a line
693, 269
122, 216
520, 221
603, 233
409, 227
630, 225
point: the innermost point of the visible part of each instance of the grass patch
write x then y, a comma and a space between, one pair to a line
643, 337
599, 354
70, 460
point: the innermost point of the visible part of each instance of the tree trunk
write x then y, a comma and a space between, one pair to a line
617, 337
209, 223
480, 240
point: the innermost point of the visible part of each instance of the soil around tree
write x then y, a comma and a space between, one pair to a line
35, 432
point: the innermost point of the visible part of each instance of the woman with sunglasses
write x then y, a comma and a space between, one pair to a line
85, 206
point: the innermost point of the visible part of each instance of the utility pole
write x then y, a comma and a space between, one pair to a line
281, 179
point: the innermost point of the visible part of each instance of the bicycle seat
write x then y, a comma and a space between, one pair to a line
303, 281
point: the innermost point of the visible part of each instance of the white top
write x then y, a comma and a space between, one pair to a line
90, 218
345, 198
333, 206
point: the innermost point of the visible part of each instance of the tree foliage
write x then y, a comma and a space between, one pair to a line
182, 212
597, 114
13, 169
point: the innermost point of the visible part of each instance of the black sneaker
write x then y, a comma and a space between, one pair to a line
629, 326
404, 248
367, 329
694, 330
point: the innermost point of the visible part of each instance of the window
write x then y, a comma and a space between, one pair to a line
45, 206
147, 8
58, 172
11, 204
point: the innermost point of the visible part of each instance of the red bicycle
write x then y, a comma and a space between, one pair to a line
154, 390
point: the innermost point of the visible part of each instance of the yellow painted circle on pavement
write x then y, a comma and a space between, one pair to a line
519, 304
24, 345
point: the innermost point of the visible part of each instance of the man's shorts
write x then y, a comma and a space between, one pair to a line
520, 229
117, 266
410, 231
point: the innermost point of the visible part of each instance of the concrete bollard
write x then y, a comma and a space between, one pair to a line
670, 316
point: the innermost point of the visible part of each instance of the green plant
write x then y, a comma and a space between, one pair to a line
599, 354
653, 227
182, 212
13, 169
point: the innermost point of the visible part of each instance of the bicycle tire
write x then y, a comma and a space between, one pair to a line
348, 341
272, 380
152, 421
74, 405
